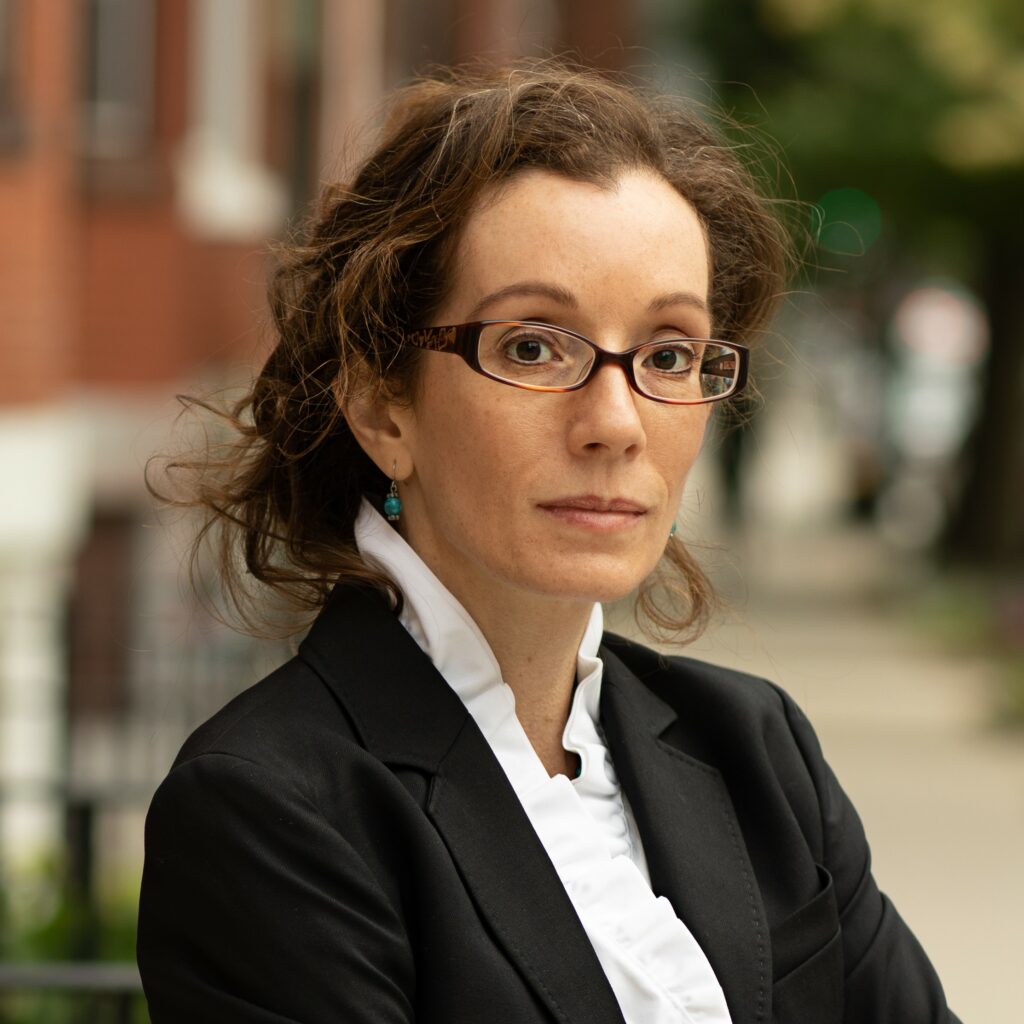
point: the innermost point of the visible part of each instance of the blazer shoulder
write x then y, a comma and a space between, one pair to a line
288, 722
683, 682
720, 715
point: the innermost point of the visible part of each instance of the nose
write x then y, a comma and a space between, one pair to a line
606, 415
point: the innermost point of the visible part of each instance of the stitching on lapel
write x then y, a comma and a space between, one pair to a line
729, 818
708, 769
437, 784
526, 962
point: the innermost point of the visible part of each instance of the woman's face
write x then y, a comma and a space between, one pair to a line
561, 495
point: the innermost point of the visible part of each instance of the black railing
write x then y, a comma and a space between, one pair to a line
137, 679
88, 990
107, 992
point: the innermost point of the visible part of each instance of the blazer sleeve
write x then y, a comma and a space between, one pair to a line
255, 909
888, 977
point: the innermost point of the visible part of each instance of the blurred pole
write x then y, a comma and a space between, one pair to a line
81, 828
226, 192
303, 171
988, 524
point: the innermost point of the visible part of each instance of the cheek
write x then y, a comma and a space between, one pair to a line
675, 447
474, 442
689, 449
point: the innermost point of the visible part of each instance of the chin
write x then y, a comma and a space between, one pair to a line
587, 578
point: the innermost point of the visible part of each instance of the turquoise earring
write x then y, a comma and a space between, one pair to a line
672, 532
393, 503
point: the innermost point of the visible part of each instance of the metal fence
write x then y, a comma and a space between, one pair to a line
136, 669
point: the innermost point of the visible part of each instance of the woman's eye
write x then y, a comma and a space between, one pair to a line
529, 350
670, 359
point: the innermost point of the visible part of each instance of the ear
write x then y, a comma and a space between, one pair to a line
383, 430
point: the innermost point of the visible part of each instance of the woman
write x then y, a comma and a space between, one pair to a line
461, 802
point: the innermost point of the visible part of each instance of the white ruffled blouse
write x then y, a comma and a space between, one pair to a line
658, 972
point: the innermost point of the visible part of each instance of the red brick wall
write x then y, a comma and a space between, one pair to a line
100, 283
39, 238
158, 304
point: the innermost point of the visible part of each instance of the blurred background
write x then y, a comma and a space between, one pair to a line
865, 524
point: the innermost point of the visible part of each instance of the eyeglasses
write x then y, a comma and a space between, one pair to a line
538, 357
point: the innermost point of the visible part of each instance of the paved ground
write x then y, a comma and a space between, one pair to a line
906, 724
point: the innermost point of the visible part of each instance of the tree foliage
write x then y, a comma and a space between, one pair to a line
920, 105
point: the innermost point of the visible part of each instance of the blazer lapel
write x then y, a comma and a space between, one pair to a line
406, 714
515, 884
692, 840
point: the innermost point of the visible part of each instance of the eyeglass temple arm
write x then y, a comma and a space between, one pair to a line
441, 339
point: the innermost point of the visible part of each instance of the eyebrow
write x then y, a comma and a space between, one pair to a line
566, 298
548, 291
678, 299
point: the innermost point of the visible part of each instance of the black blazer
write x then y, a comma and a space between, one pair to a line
340, 844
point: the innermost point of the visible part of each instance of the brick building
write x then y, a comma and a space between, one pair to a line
148, 150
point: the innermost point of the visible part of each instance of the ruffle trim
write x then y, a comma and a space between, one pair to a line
655, 966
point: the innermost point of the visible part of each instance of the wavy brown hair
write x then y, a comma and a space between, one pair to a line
282, 492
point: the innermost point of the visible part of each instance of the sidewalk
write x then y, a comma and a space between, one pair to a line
906, 726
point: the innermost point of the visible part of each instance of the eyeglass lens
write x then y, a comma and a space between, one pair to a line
677, 369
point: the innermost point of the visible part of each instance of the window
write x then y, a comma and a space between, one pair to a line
120, 52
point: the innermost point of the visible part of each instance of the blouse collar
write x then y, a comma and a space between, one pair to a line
438, 622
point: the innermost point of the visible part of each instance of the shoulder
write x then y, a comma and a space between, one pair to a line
281, 761
688, 684
743, 725
289, 726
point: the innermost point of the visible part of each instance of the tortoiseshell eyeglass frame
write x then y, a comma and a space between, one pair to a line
462, 340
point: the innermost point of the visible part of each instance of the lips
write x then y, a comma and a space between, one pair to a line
595, 503
595, 514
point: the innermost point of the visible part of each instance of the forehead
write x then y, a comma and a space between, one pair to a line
635, 238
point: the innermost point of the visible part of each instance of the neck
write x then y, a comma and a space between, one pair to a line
536, 648
535, 640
